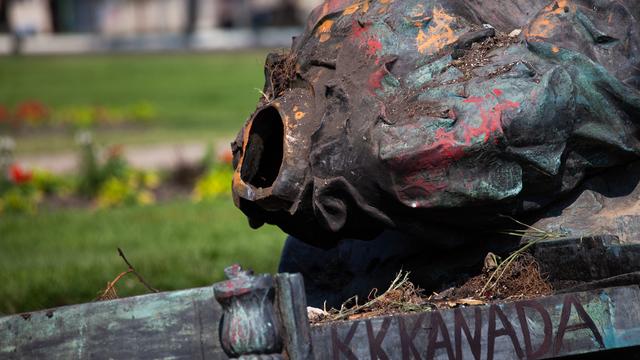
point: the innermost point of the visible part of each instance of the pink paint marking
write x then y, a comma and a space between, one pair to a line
497, 92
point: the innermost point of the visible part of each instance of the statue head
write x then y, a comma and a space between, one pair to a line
415, 115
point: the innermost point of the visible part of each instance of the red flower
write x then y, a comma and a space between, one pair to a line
4, 114
115, 151
19, 175
31, 111
226, 156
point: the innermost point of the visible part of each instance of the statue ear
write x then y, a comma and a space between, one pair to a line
335, 199
329, 203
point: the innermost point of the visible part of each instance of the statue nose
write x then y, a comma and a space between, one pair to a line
270, 172
264, 150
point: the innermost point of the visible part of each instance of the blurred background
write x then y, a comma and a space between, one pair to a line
115, 123
77, 26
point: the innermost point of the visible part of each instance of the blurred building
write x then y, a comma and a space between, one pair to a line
126, 17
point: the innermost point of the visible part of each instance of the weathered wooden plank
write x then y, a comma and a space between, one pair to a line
561, 325
176, 325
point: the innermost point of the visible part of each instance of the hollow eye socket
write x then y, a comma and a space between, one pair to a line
263, 153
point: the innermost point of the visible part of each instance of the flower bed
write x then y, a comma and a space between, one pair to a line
105, 179
32, 115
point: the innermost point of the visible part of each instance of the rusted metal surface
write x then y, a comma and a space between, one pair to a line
411, 115
177, 325
576, 323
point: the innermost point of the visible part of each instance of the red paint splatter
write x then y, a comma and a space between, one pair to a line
491, 121
451, 145
498, 92
474, 100
373, 46
358, 30
360, 34
375, 79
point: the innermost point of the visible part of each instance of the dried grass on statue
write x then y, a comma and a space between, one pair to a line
521, 279
516, 277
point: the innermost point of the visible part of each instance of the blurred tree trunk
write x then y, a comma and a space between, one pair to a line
54, 12
192, 16
4, 16
62, 16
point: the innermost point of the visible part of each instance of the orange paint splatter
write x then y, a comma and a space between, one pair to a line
549, 19
351, 9
365, 7
324, 30
440, 33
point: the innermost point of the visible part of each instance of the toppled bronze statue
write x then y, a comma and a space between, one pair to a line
434, 117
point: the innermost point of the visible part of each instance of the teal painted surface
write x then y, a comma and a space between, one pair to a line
180, 324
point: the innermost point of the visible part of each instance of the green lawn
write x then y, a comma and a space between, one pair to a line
196, 96
66, 257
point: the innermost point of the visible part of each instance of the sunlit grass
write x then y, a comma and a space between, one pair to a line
67, 256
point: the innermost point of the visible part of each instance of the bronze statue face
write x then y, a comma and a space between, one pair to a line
413, 115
